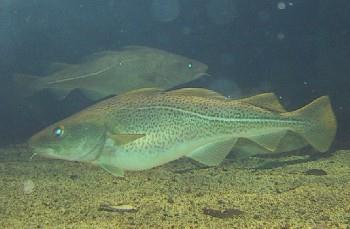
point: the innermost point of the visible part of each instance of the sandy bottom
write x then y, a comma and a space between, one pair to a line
289, 191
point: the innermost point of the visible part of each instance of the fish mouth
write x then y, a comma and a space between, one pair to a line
201, 75
48, 153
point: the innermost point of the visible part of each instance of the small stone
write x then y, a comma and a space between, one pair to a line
28, 186
315, 172
117, 208
171, 200
226, 213
73, 177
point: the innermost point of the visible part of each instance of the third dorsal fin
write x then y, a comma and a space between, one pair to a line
267, 101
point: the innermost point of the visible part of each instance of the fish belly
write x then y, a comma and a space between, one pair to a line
142, 160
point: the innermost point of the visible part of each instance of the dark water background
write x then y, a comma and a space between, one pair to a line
299, 49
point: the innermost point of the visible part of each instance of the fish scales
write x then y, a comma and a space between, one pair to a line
174, 119
197, 111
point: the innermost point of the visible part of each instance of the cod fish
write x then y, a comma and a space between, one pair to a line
145, 128
114, 72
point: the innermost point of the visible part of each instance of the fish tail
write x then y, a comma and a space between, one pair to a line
25, 84
323, 125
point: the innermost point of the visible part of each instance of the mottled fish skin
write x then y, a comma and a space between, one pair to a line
169, 120
149, 127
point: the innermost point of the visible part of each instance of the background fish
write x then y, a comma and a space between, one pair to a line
149, 127
113, 72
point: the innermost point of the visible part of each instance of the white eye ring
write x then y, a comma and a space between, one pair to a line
58, 131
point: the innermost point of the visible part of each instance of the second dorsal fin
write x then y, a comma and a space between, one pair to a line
145, 91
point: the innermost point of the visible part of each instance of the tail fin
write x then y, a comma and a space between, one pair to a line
25, 84
323, 125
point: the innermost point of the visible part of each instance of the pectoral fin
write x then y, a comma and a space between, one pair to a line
122, 139
115, 171
213, 153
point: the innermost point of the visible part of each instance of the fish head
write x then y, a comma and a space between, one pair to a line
181, 70
72, 139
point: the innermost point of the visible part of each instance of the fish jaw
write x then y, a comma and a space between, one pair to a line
49, 153
77, 140
45, 152
77, 154
42, 150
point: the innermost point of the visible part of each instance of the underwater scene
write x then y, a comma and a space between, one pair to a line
174, 114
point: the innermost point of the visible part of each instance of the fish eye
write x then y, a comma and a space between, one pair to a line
190, 65
58, 131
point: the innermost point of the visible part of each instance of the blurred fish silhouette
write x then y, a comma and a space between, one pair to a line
114, 72
145, 128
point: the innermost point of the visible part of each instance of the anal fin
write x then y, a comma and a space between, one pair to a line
246, 148
269, 140
213, 153
291, 141
275, 142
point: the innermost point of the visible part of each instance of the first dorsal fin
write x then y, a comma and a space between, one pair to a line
200, 92
267, 101
144, 91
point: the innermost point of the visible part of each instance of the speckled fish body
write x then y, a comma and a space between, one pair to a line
149, 127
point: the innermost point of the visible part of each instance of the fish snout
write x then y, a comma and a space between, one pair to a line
36, 147
43, 152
